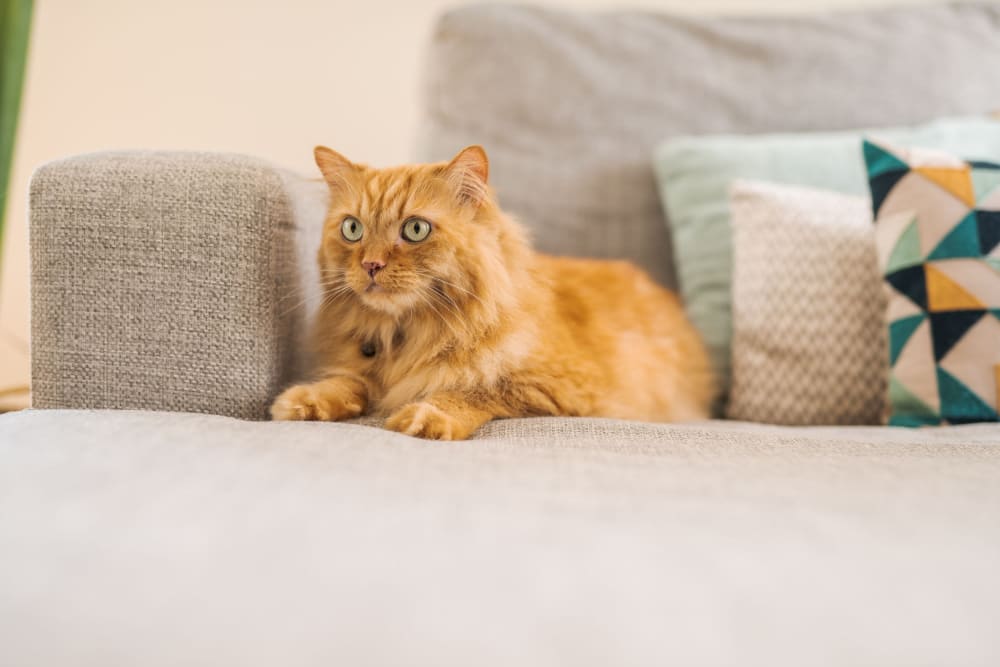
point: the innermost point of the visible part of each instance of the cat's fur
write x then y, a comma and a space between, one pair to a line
470, 324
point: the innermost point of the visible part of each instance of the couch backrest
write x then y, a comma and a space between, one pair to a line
570, 106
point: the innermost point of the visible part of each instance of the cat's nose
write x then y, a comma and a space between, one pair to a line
373, 267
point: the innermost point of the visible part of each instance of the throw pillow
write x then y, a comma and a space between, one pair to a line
694, 175
938, 241
809, 343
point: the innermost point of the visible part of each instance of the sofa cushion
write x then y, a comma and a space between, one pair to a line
570, 105
809, 341
164, 539
695, 174
937, 232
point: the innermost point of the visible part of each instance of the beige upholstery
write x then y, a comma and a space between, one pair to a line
163, 281
174, 539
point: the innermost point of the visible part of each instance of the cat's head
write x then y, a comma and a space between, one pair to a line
406, 238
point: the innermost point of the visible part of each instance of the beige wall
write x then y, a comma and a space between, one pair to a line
269, 78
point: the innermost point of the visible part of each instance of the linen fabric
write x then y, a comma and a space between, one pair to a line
542, 541
162, 280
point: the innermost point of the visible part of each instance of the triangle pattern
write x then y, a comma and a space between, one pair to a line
936, 210
958, 182
943, 293
907, 250
984, 182
911, 283
960, 405
915, 367
882, 185
888, 229
938, 242
948, 328
900, 332
972, 358
962, 241
909, 410
899, 307
879, 160
978, 279
988, 223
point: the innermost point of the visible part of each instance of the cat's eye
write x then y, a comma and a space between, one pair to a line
352, 229
416, 230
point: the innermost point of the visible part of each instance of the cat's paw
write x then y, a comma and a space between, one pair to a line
319, 401
425, 420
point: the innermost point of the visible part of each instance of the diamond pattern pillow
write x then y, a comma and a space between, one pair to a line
809, 340
938, 243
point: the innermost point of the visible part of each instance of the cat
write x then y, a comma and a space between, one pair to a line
438, 315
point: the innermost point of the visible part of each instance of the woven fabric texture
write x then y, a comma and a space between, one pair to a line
938, 237
161, 281
570, 105
809, 342
159, 539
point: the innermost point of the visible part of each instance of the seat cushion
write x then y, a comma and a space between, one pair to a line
571, 105
165, 539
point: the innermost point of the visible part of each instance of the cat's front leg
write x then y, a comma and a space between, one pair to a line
443, 416
335, 398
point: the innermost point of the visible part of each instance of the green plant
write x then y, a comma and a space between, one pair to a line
15, 21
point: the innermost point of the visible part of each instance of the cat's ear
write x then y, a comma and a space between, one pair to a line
468, 173
336, 168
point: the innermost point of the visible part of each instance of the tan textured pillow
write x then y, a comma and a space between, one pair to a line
809, 341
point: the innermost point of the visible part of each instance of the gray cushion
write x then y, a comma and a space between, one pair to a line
570, 106
148, 538
163, 281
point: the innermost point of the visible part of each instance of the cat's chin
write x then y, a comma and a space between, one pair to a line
382, 300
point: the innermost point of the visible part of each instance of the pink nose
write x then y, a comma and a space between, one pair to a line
373, 267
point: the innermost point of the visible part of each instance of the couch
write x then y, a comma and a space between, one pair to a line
150, 515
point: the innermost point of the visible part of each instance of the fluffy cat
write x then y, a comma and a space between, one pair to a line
438, 315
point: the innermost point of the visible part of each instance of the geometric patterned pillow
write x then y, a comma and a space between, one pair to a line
938, 241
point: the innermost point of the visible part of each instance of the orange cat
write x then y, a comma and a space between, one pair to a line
438, 315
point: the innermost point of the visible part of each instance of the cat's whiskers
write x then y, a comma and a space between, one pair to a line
301, 301
461, 289
450, 304
449, 283
330, 292
444, 320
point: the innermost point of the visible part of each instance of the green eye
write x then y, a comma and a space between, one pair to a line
352, 229
416, 230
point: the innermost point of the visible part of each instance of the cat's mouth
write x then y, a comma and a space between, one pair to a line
390, 300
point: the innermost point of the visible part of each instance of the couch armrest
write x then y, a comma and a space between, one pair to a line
162, 281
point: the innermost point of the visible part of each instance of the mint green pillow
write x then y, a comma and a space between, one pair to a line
694, 175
